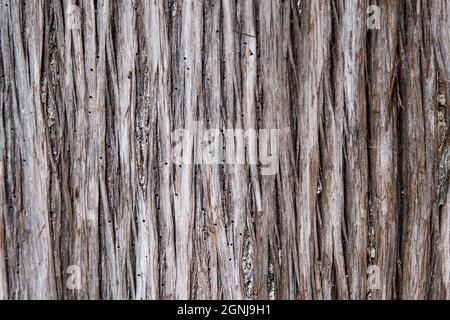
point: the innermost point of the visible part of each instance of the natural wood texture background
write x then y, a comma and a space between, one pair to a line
87, 107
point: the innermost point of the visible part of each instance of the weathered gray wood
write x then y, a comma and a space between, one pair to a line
92, 205
440, 19
418, 148
383, 148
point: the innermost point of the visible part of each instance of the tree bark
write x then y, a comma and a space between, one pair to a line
94, 206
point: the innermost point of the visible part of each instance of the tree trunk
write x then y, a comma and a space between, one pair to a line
95, 205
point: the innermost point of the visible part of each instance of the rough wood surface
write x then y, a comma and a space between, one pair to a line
92, 205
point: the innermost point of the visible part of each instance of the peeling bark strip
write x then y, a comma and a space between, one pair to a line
92, 205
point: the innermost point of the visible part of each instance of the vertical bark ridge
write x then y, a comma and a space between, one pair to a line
383, 153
